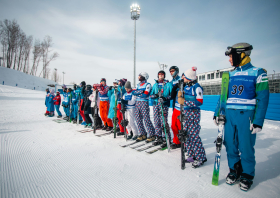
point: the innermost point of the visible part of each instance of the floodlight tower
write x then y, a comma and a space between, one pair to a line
162, 66
63, 76
135, 14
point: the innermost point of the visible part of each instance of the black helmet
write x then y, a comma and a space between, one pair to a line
236, 51
88, 87
176, 70
161, 72
83, 83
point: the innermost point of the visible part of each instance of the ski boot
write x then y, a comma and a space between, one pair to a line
83, 123
65, 118
135, 137
175, 146
158, 141
75, 121
246, 182
150, 139
59, 116
198, 163
141, 137
189, 159
105, 127
109, 128
120, 133
234, 175
130, 136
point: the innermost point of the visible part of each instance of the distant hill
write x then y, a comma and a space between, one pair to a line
16, 78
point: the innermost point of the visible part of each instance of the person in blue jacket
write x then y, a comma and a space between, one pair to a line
192, 99
111, 96
71, 98
161, 94
65, 102
51, 103
76, 102
174, 72
142, 109
246, 106
46, 101
87, 106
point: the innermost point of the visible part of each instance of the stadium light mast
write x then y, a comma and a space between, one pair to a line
162, 66
135, 14
63, 76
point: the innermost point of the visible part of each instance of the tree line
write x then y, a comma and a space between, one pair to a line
17, 47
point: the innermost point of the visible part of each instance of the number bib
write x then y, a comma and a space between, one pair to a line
242, 89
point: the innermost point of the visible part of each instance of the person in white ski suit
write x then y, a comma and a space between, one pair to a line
129, 101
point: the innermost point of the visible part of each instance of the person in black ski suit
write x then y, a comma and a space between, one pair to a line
87, 108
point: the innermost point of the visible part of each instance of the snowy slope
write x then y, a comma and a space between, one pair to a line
15, 78
41, 158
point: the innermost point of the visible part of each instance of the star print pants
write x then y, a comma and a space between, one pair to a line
158, 120
142, 112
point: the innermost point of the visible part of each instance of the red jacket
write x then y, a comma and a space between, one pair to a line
57, 100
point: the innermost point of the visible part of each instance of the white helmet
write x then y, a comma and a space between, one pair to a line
145, 75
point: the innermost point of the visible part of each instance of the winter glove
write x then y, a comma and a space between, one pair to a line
162, 99
181, 100
124, 102
255, 128
215, 120
111, 87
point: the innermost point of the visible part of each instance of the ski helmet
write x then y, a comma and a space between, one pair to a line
236, 50
88, 87
83, 83
145, 75
75, 86
103, 79
161, 72
176, 70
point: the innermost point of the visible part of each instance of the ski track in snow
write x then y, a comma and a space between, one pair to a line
42, 158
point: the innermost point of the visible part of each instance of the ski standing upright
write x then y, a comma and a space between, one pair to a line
79, 106
221, 123
95, 112
115, 109
124, 122
70, 107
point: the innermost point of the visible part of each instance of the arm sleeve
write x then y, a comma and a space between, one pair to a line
104, 91
262, 97
174, 91
137, 92
147, 91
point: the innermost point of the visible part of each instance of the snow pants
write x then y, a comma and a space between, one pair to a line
120, 117
104, 110
142, 112
194, 147
57, 109
129, 115
96, 118
239, 141
175, 126
88, 119
158, 121
82, 113
66, 111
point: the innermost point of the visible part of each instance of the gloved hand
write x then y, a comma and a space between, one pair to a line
215, 120
124, 102
181, 100
162, 99
111, 87
255, 128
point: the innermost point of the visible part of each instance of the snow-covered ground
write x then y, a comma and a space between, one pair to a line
42, 158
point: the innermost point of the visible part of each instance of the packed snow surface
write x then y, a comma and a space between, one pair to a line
42, 158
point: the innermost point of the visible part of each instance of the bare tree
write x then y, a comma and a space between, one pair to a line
47, 57
27, 48
37, 54
55, 77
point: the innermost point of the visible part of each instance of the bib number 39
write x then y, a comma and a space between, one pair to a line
236, 89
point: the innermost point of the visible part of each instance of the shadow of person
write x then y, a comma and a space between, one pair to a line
267, 170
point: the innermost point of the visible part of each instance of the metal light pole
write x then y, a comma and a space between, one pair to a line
0, 60
135, 14
63, 76
55, 77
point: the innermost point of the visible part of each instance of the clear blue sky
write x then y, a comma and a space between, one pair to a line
95, 38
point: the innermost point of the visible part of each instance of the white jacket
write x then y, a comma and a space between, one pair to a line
92, 99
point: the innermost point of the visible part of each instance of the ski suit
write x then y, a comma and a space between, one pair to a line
46, 102
142, 109
165, 88
87, 106
111, 96
130, 113
247, 102
104, 104
82, 93
96, 117
51, 103
57, 101
119, 114
72, 106
173, 82
193, 100
65, 103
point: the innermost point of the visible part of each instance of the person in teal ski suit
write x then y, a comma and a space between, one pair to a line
246, 106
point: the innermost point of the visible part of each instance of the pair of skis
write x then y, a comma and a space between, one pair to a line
221, 123
95, 112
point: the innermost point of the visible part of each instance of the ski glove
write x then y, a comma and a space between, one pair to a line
215, 120
255, 128
181, 100
162, 99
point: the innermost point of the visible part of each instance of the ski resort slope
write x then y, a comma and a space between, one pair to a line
42, 158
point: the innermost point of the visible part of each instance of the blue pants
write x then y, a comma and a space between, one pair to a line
66, 111
57, 109
239, 141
